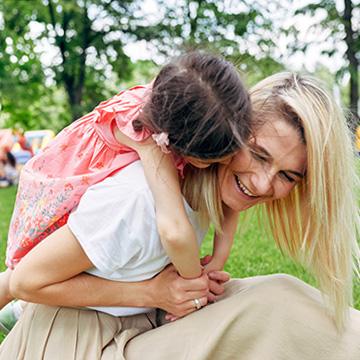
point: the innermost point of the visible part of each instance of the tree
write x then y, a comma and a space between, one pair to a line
352, 40
241, 31
85, 38
229, 28
343, 25
21, 74
192, 23
82, 41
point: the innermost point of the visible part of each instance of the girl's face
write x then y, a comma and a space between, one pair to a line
267, 169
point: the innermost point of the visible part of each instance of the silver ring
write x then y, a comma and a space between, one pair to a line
197, 303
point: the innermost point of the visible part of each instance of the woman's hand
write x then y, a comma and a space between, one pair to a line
176, 295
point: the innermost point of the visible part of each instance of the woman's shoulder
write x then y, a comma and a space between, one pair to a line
128, 183
117, 198
132, 174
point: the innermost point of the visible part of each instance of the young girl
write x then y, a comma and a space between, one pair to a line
197, 111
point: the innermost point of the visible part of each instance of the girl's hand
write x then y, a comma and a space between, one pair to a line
176, 295
132, 144
217, 279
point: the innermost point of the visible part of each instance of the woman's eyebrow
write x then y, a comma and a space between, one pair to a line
263, 150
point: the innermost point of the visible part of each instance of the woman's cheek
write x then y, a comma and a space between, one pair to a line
284, 192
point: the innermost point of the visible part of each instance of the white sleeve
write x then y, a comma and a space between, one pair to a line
110, 223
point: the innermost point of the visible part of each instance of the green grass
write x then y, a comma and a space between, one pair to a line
7, 198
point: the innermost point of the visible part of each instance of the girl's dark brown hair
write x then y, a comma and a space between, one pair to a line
201, 102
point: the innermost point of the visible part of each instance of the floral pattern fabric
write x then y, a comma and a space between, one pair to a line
86, 152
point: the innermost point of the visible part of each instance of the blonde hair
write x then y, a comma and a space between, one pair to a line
318, 222
201, 189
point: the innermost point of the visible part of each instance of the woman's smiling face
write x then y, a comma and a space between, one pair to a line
267, 169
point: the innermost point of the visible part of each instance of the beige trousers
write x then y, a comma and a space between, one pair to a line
275, 317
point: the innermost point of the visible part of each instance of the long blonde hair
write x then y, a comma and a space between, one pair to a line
201, 189
318, 222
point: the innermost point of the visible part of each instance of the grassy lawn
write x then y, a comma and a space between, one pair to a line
252, 254
7, 197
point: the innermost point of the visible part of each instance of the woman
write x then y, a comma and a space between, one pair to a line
299, 165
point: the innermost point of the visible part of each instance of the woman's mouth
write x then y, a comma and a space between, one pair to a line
243, 188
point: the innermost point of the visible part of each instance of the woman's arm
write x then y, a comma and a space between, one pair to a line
175, 230
52, 274
5, 296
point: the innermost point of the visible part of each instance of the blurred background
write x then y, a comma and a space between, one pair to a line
60, 58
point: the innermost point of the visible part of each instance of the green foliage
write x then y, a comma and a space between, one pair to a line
21, 73
143, 71
89, 39
85, 61
254, 70
191, 24
85, 40
342, 26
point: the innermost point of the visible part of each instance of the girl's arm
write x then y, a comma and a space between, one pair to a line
175, 230
52, 274
223, 242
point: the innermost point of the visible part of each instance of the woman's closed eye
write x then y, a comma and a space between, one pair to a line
285, 176
258, 156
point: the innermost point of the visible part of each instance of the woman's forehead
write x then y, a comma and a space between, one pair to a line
282, 142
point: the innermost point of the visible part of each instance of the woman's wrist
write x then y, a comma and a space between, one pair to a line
148, 296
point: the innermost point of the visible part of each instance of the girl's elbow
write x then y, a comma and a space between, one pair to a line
176, 237
176, 232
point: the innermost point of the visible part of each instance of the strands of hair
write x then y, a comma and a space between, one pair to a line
201, 102
318, 223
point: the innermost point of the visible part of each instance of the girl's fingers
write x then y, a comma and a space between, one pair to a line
205, 260
216, 288
221, 276
211, 298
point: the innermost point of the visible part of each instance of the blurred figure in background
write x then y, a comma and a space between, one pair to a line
9, 175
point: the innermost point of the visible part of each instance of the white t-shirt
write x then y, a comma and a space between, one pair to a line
116, 226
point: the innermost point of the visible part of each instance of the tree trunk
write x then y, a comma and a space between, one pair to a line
353, 61
75, 97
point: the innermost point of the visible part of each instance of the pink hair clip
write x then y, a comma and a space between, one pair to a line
162, 140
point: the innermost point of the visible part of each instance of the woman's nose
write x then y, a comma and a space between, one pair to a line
262, 182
